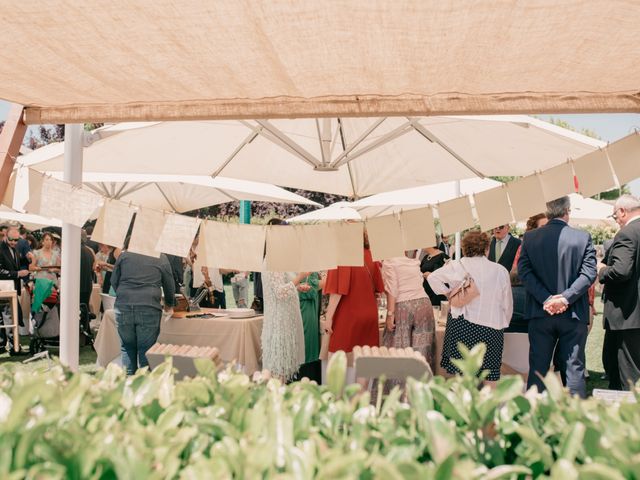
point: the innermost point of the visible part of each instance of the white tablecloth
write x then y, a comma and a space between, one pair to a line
236, 339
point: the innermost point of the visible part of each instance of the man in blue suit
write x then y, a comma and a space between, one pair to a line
557, 266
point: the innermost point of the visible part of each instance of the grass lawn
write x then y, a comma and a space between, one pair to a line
593, 351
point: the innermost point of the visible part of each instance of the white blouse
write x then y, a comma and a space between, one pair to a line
494, 307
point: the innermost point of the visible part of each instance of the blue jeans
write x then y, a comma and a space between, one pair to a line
240, 290
138, 328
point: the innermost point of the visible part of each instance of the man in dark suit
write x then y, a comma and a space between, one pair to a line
10, 270
503, 247
557, 266
621, 279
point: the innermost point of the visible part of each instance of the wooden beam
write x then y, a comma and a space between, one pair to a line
10, 140
341, 106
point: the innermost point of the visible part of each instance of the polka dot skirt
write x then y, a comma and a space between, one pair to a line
459, 330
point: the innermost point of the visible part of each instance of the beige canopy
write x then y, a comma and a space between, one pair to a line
168, 59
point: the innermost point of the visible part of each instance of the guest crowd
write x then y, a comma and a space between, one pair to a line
542, 286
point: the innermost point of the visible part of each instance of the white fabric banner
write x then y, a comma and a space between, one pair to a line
62, 200
231, 245
594, 173
349, 243
113, 223
418, 228
558, 182
178, 234
526, 197
456, 215
385, 237
147, 228
493, 208
625, 158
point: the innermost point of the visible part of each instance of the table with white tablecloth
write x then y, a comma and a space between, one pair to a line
237, 339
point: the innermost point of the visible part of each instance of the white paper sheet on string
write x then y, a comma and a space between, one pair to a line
32, 205
385, 237
65, 202
558, 182
7, 200
625, 157
418, 228
284, 248
113, 223
177, 234
231, 245
526, 197
349, 243
594, 173
493, 208
319, 248
147, 228
456, 215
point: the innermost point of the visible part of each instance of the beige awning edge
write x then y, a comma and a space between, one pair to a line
341, 106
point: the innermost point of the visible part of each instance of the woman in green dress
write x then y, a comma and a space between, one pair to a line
308, 295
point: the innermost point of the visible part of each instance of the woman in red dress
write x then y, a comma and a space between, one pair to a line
352, 314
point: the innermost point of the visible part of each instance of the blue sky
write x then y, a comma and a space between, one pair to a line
609, 127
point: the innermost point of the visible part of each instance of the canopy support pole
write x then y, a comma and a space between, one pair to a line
10, 140
70, 289
458, 246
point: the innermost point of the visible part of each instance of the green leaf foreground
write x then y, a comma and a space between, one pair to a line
56, 424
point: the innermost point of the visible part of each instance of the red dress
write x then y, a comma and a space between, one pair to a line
356, 319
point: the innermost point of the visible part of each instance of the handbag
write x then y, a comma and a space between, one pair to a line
464, 293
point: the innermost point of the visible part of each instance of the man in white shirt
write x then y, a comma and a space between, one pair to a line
503, 247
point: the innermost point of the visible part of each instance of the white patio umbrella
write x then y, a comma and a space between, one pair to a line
408, 198
396, 200
335, 211
587, 211
31, 222
176, 193
347, 156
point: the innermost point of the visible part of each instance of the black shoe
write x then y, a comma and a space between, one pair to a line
21, 351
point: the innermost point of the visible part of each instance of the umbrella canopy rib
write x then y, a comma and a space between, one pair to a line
255, 131
343, 156
165, 197
418, 127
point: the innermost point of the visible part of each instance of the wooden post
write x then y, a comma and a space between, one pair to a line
10, 140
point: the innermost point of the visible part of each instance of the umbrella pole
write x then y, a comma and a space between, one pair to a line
458, 256
70, 275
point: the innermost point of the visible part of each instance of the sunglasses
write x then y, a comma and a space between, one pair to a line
614, 215
9, 239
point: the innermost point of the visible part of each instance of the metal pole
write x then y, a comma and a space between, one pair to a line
245, 211
70, 289
458, 249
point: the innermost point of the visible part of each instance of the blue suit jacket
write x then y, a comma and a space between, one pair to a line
557, 259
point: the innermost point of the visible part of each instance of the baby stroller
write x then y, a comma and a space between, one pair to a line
45, 316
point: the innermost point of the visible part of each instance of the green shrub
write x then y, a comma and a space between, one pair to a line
56, 424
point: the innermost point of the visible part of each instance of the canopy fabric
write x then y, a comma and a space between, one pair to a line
29, 221
353, 157
170, 60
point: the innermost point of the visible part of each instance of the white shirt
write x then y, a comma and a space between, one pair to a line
494, 307
632, 219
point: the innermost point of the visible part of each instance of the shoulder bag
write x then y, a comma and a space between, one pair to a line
465, 292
